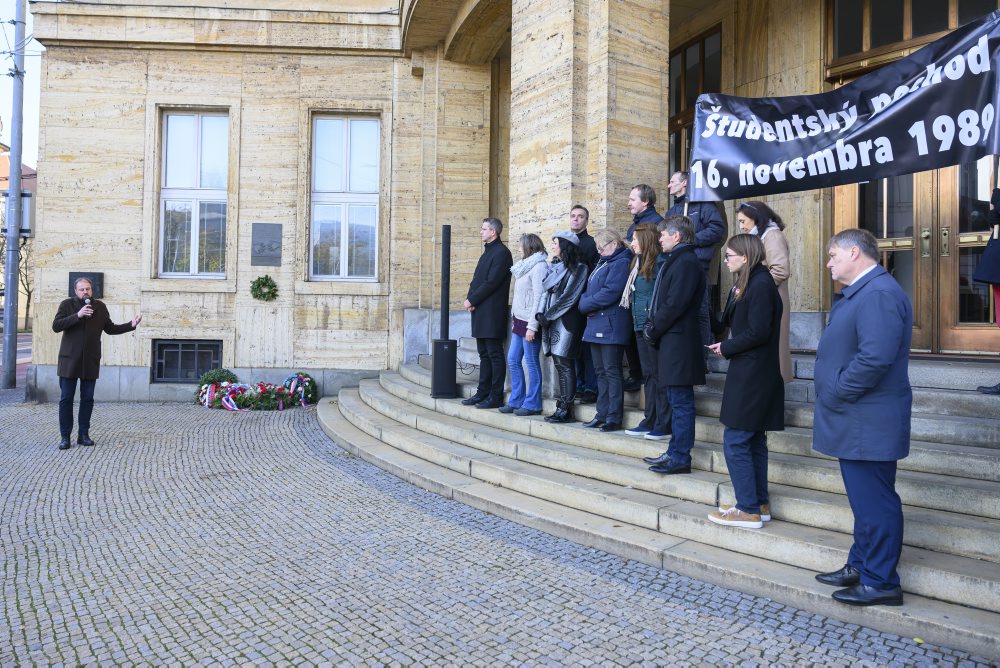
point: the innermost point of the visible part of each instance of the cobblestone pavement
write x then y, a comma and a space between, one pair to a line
190, 536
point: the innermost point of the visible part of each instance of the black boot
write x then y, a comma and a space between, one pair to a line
559, 413
64, 443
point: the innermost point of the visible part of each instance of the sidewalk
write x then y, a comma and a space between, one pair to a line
190, 536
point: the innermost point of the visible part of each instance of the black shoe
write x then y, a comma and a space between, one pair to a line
845, 577
632, 385
594, 424
64, 443
986, 389
861, 594
670, 468
473, 400
612, 426
489, 403
588, 397
84, 439
523, 412
506, 409
657, 460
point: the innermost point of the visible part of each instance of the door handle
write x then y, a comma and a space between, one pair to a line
945, 237
925, 242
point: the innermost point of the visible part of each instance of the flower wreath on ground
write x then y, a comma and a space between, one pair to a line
297, 390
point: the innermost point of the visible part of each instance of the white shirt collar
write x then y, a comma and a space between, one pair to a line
865, 272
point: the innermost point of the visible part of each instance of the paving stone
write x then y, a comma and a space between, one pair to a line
191, 536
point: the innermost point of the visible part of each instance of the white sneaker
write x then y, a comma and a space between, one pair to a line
637, 431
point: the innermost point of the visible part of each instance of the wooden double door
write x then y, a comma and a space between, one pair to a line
932, 228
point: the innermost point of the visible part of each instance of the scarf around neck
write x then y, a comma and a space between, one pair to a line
522, 267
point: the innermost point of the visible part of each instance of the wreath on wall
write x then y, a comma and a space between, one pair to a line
264, 288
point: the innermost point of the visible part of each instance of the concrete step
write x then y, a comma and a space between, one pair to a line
974, 462
934, 621
810, 489
945, 577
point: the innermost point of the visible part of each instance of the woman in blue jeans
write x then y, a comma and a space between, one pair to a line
528, 273
753, 401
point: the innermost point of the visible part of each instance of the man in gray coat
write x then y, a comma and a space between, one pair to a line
487, 302
82, 319
862, 416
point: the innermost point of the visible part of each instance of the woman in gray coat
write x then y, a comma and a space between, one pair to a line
529, 273
562, 323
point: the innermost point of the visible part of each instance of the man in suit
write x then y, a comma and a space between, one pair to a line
487, 302
672, 328
862, 416
82, 319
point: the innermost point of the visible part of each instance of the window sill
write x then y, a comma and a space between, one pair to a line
189, 285
362, 288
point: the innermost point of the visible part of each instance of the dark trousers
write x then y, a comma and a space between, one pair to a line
633, 359
67, 389
586, 381
878, 520
746, 459
683, 423
492, 368
610, 395
657, 402
565, 368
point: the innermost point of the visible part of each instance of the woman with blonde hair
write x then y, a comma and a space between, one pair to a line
753, 400
609, 327
756, 218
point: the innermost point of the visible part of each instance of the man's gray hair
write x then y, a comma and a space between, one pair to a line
83, 279
495, 224
856, 237
680, 224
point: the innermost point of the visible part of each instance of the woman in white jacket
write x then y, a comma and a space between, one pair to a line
528, 273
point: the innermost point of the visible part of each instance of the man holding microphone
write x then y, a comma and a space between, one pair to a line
82, 319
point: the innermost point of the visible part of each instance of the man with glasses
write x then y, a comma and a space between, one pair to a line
709, 233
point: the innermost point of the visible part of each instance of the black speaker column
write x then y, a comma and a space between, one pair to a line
443, 385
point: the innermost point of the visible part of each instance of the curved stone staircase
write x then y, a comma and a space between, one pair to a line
593, 488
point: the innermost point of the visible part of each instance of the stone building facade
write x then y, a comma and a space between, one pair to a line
187, 149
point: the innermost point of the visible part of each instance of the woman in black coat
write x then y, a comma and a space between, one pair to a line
560, 320
753, 401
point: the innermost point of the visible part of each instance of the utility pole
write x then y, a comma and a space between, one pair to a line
13, 258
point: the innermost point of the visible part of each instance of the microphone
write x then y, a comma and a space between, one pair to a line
86, 302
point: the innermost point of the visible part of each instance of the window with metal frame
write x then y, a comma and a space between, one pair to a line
193, 194
344, 203
184, 361
695, 68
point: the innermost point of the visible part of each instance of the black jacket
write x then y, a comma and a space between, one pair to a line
709, 226
754, 396
80, 349
588, 250
988, 269
648, 216
673, 318
489, 290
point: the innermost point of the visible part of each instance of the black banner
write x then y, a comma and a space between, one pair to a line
934, 108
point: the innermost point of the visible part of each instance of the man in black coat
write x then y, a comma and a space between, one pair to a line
487, 302
586, 377
673, 329
82, 319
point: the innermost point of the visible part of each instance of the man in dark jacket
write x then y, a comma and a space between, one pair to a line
82, 319
487, 302
862, 415
586, 378
709, 233
672, 328
642, 206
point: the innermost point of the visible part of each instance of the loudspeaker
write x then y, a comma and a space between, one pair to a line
443, 385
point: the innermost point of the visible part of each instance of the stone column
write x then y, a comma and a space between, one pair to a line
588, 100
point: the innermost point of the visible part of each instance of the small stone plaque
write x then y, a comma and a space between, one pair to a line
96, 282
265, 245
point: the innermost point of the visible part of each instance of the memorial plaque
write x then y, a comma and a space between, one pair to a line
265, 245
96, 282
